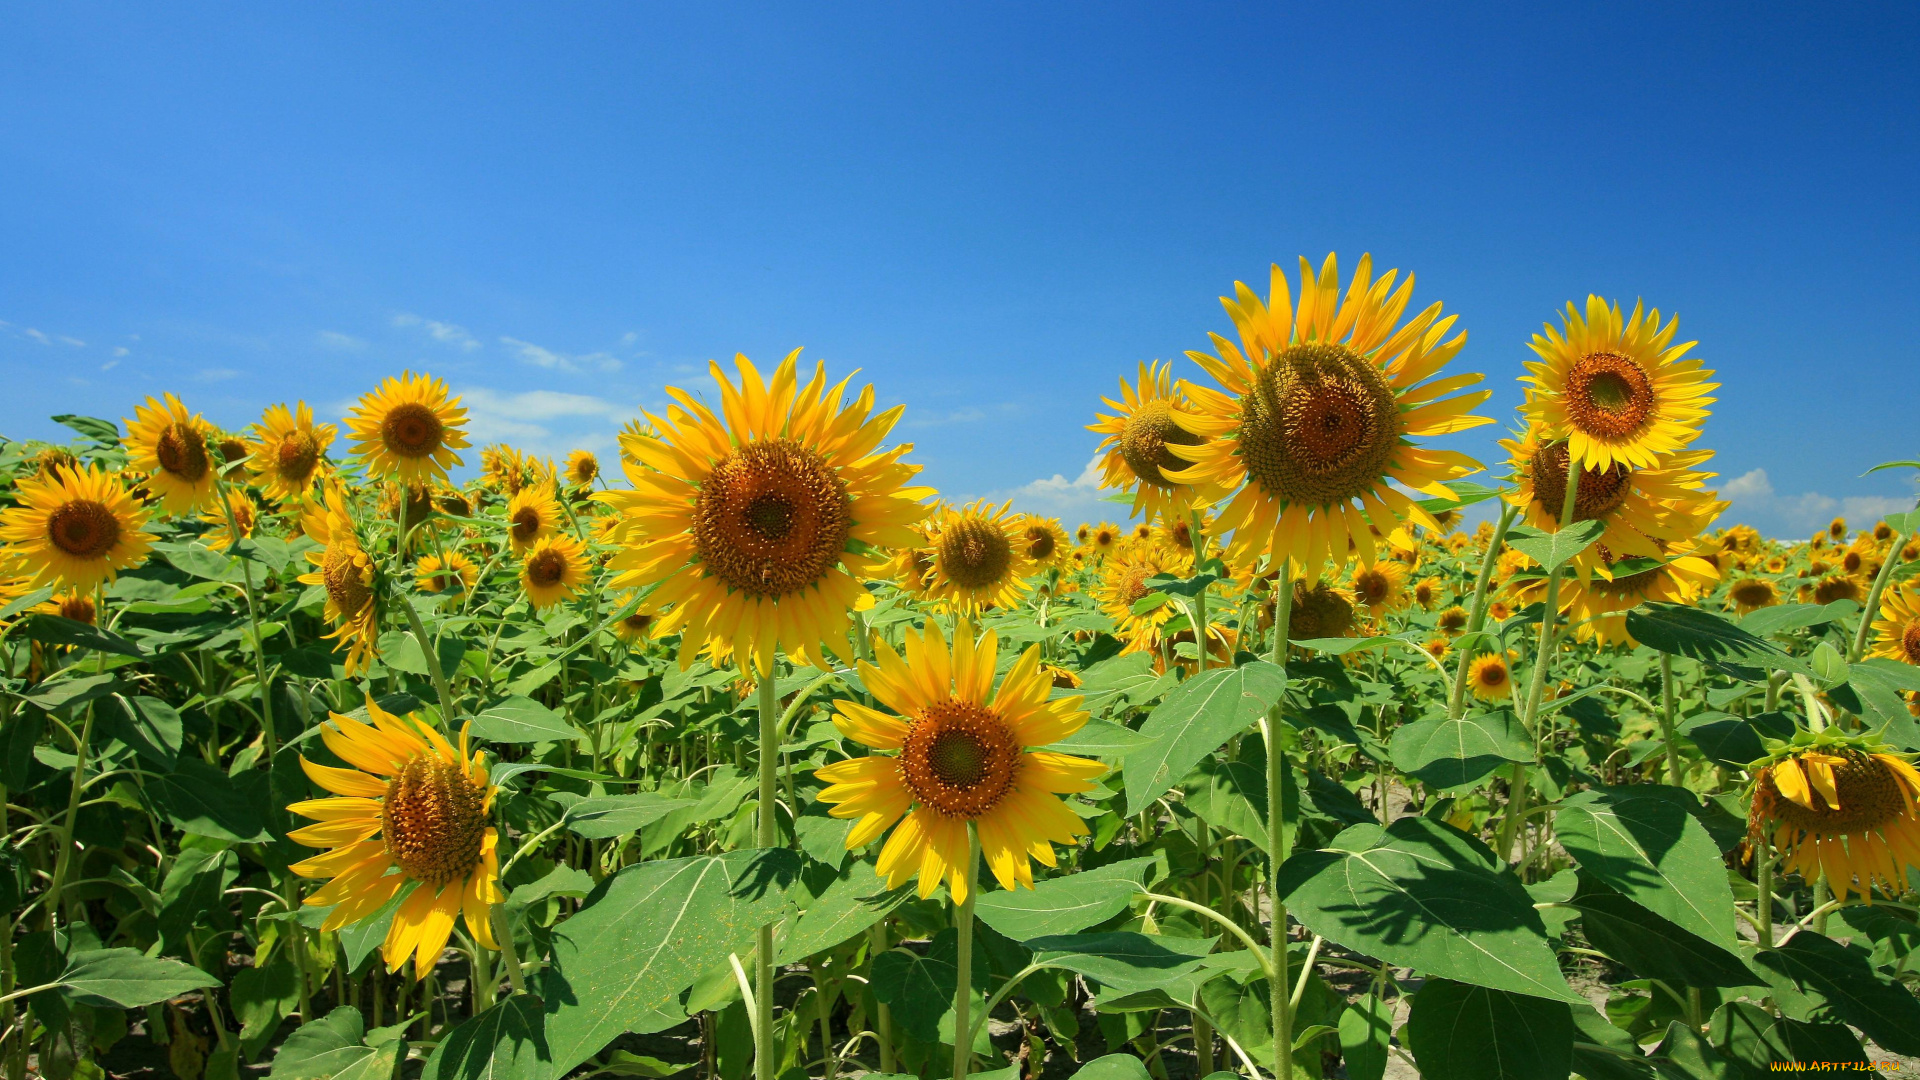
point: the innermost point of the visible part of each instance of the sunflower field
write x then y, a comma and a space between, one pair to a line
749, 755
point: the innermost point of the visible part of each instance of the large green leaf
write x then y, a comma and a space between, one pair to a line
522, 720
1065, 904
1812, 974
65, 695
1124, 961
1423, 895
1781, 618
1113, 1067
55, 630
602, 817
1460, 1032
1701, 635
1102, 739
150, 726
645, 934
1230, 796
201, 799
1366, 1038
1879, 685
920, 989
1554, 550
128, 979
325, 1049
1757, 1039
1195, 719
1651, 946
1642, 841
506, 1042
1449, 754
855, 900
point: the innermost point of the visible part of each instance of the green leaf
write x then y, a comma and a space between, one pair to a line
1113, 1067
1195, 719
1466, 493
1644, 843
40, 596
522, 720
127, 979
327, 1049
1811, 971
60, 695
855, 900
506, 1042
261, 997
1123, 961
360, 940
920, 989
1753, 1037
1554, 550
1460, 1032
1230, 796
1685, 1053
1102, 739
55, 630
1423, 895
1781, 618
645, 934
1652, 947
1878, 683
104, 432
1366, 1033
1701, 635
150, 726
603, 817
560, 881
1341, 646
1449, 754
195, 886
1869, 472
1065, 904
201, 799
1129, 677
199, 561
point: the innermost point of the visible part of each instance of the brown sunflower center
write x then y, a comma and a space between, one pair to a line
1319, 612
1320, 425
1910, 643
583, 470
1608, 395
546, 568
638, 622
182, 452
1869, 794
1372, 587
77, 608
525, 524
232, 450
1144, 440
298, 454
1850, 562
1493, 675
1752, 593
1423, 593
1600, 491
959, 758
412, 430
345, 580
772, 518
83, 528
974, 553
1182, 535
1453, 620
434, 817
1040, 543
1837, 587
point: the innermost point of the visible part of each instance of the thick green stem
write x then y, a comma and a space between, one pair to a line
1763, 879
963, 987
1199, 541
769, 835
883, 1015
65, 859
1873, 598
1277, 834
1537, 682
1675, 775
1477, 616
440, 685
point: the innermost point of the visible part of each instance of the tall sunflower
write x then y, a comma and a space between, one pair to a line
437, 574
1596, 598
1137, 439
960, 756
1641, 506
759, 527
169, 444
408, 429
246, 517
1045, 541
554, 569
582, 468
74, 528
1842, 807
1897, 630
1320, 402
1123, 583
532, 515
428, 805
345, 570
979, 558
1618, 390
292, 451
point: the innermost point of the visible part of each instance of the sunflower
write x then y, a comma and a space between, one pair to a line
1597, 602
1437, 647
911, 566
979, 558
1319, 405
554, 569
1898, 627
69, 605
532, 515
1843, 808
346, 572
501, 468
408, 429
245, 516
1123, 583
1490, 678
1499, 611
636, 627
1083, 534
169, 444
453, 502
50, 460
1640, 506
961, 759
1452, 621
1135, 447
632, 430
292, 451
1617, 390
1104, 537
1839, 586
1044, 541
75, 529
582, 468
1319, 611
759, 527
1380, 587
429, 804
1837, 529
1427, 592
1751, 594
436, 574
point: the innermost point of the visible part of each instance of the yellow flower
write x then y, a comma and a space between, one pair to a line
1641, 506
245, 516
1843, 812
1617, 390
758, 528
1123, 582
1319, 611
1175, 536
434, 574
411, 810
1452, 621
532, 515
1897, 629
553, 570
1428, 592
292, 451
961, 757
408, 429
582, 468
1104, 538
1319, 407
1596, 598
75, 529
979, 558
169, 444
1489, 677
636, 627
1044, 541
1752, 594
346, 572
1137, 440
69, 605
1380, 586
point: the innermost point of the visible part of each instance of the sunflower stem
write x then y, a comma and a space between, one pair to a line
1763, 878
1277, 835
440, 686
1674, 774
65, 859
963, 986
1873, 598
1199, 542
769, 706
1477, 616
1537, 682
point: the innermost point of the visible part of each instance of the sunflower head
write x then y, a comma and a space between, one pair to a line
51, 460
1319, 611
1427, 592
1752, 594
75, 529
980, 557
1380, 586
582, 468
408, 429
1490, 678
1452, 621
435, 574
1043, 541
1839, 805
1837, 529
636, 627
69, 605
345, 570
1840, 586
290, 451
1146, 422
246, 517
1616, 389
532, 515
554, 568
1897, 630
169, 444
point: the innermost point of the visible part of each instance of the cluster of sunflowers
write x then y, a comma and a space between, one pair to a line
1295, 545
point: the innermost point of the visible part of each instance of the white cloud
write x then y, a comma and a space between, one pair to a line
1748, 487
109, 365
629, 338
334, 339
1072, 501
540, 356
121, 350
445, 333
38, 336
217, 374
545, 422
1756, 502
73, 341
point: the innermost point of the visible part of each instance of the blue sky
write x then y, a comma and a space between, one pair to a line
992, 210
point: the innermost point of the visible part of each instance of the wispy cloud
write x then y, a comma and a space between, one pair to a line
121, 350
37, 336
1074, 501
541, 356
1754, 499
334, 339
216, 374
445, 333
544, 421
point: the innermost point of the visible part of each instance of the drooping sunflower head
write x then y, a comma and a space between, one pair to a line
1897, 630
409, 429
582, 468
1043, 541
246, 516
51, 460
1839, 586
1489, 677
169, 444
636, 626
1616, 389
1318, 405
1452, 621
345, 570
1752, 594
429, 805
1319, 611
1427, 592
436, 574
1840, 806
291, 451
75, 529
532, 515
958, 754
979, 557
759, 527
1380, 586
554, 568
1123, 583
1136, 455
